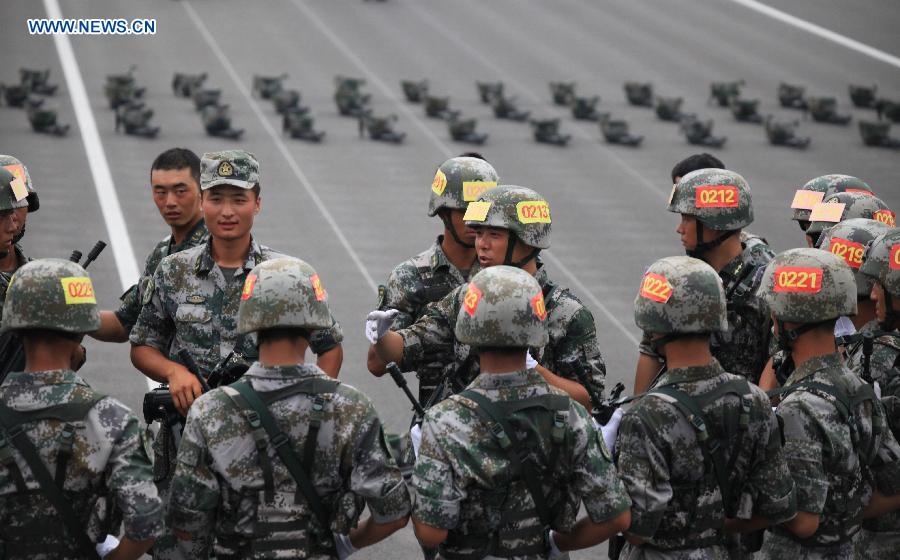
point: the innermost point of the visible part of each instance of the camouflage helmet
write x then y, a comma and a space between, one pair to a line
459, 181
882, 261
13, 193
718, 198
53, 294
848, 240
17, 168
855, 205
283, 293
808, 286
503, 307
680, 295
827, 185
519, 209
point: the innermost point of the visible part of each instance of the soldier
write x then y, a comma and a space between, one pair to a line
803, 202
715, 205
432, 274
701, 452
175, 184
228, 481
880, 537
13, 204
53, 421
512, 225
838, 447
191, 302
841, 206
504, 466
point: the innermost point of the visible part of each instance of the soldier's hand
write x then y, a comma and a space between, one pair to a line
184, 387
378, 323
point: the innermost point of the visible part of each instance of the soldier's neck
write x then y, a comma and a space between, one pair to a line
502, 361
10, 262
688, 352
283, 352
459, 256
230, 253
812, 344
720, 256
180, 233
865, 312
48, 354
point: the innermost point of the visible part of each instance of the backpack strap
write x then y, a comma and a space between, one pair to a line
515, 452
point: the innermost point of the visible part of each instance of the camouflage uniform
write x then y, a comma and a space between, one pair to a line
573, 338
91, 441
218, 480
133, 299
14, 194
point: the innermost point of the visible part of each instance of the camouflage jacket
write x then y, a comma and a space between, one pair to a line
218, 485
108, 469
573, 338
133, 299
463, 480
9, 342
678, 504
835, 463
745, 348
413, 285
194, 306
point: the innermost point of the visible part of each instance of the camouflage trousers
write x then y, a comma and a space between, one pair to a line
777, 547
630, 552
877, 546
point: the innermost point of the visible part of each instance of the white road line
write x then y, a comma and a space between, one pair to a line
445, 149
123, 254
279, 143
103, 182
822, 32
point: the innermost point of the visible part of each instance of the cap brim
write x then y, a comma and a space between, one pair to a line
226, 181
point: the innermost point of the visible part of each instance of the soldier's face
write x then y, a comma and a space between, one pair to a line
490, 246
687, 229
21, 216
877, 295
9, 227
176, 195
464, 232
229, 211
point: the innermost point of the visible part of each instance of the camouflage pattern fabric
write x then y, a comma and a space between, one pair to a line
677, 502
229, 167
823, 288
848, 240
217, 486
458, 181
108, 469
462, 480
522, 211
744, 348
133, 299
837, 483
856, 205
718, 198
412, 286
283, 293
756, 250
827, 185
573, 337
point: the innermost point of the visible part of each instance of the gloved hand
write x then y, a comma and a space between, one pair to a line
555, 552
415, 434
378, 323
107, 546
530, 362
611, 429
344, 547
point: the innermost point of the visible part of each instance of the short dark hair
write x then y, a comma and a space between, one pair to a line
695, 162
178, 158
475, 155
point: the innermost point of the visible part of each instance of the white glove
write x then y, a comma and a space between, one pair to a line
530, 363
877, 388
415, 434
344, 547
107, 546
555, 552
611, 429
378, 323
844, 327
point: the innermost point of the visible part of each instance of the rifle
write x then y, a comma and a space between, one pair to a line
603, 408
158, 403
397, 376
16, 360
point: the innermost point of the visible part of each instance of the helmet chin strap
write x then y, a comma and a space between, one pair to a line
702, 247
448, 225
18, 236
891, 316
510, 246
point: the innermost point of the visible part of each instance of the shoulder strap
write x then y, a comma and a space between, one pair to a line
282, 444
515, 453
13, 429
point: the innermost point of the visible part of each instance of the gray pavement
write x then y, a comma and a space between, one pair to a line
356, 208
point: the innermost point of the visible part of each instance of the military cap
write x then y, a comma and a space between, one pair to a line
13, 193
718, 198
502, 307
520, 210
680, 295
53, 294
17, 168
459, 181
882, 261
848, 240
229, 167
808, 286
827, 185
283, 293
852, 205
